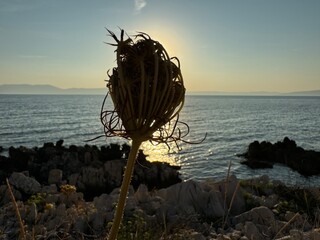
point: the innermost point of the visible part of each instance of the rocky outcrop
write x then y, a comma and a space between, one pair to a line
265, 154
92, 170
186, 210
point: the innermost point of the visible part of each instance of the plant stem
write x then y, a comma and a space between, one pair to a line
124, 189
15, 205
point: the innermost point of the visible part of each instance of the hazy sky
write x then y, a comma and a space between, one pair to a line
223, 45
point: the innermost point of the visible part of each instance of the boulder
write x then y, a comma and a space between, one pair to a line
259, 215
232, 194
91, 182
55, 176
188, 198
113, 170
142, 194
27, 185
252, 232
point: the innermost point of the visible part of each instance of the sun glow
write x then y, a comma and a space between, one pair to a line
171, 40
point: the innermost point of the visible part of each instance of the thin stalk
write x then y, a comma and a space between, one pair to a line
16, 208
124, 188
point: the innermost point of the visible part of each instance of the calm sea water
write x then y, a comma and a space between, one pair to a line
231, 123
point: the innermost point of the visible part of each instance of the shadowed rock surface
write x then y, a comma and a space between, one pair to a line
92, 170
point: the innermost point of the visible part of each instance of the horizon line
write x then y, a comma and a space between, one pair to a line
213, 92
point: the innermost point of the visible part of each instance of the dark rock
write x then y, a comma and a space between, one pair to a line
260, 215
48, 145
265, 154
21, 157
92, 170
24, 183
59, 143
113, 171
258, 164
110, 152
55, 176
91, 182
7, 167
189, 198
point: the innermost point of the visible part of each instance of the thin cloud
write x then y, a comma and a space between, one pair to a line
139, 5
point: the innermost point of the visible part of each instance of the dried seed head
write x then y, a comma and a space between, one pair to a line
147, 90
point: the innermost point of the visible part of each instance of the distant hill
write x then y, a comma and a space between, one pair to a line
49, 89
306, 93
260, 93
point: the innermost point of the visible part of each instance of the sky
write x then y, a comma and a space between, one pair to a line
223, 45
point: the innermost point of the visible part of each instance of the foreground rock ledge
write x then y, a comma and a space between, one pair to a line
230, 209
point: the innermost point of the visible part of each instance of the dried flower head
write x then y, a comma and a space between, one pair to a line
147, 90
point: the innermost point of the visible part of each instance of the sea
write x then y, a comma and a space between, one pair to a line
230, 124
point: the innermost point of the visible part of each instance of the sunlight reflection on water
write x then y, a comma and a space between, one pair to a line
160, 153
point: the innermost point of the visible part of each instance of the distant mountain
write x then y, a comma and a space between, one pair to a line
306, 93
260, 93
47, 89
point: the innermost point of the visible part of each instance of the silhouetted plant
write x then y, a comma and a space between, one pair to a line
148, 93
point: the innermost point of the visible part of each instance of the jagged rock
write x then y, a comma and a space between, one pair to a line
73, 179
113, 151
81, 224
188, 198
297, 221
259, 215
232, 193
92, 170
98, 221
114, 172
265, 154
55, 176
267, 201
5, 197
252, 232
51, 189
20, 157
151, 207
155, 174
32, 214
91, 181
25, 184
105, 202
142, 194
59, 143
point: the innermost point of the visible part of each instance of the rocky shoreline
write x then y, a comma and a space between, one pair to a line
70, 193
